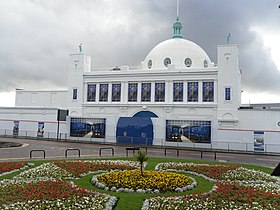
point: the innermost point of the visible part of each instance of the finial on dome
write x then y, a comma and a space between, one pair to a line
177, 8
177, 28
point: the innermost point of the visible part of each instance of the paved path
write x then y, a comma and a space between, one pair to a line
56, 150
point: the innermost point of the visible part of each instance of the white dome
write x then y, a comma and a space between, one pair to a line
183, 54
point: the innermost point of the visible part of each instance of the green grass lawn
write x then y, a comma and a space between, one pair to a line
133, 201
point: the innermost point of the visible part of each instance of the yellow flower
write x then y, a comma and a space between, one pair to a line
132, 179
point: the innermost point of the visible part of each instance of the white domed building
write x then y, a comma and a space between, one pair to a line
179, 52
177, 97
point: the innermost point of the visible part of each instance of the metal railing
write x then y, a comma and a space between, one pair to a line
33, 134
37, 150
225, 145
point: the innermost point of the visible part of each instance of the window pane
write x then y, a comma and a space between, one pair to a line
195, 131
227, 94
89, 127
192, 91
116, 92
208, 91
132, 92
75, 94
103, 92
146, 92
159, 92
91, 92
178, 91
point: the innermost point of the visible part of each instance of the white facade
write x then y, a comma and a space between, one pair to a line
27, 120
50, 99
185, 98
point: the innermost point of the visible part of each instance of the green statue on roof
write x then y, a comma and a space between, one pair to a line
80, 48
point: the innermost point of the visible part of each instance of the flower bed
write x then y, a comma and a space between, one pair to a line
81, 168
211, 171
52, 195
74, 169
236, 188
227, 195
10, 167
219, 172
247, 175
45, 187
150, 182
45, 171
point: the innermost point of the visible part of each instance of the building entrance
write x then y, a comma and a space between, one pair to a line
136, 130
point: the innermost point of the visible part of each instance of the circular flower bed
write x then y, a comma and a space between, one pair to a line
150, 182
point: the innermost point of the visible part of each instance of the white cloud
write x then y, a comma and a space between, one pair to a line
271, 37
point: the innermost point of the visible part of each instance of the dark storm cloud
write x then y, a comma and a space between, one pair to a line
209, 22
37, 36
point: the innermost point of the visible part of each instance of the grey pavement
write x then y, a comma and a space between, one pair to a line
56, 150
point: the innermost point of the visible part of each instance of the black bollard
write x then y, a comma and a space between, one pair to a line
276, 171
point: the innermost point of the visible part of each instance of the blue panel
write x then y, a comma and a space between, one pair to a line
135, 130
208, 91
103, 92
88, 127
132, 92
91, 92
159, 92
146, 92
75, 94
40, 132
16, 128
178, 91
259, 141
192, 130
116, 92
145, 114
192, 91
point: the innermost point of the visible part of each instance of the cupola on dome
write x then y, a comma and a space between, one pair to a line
181, 53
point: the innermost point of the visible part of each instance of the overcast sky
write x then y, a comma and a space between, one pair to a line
37, 36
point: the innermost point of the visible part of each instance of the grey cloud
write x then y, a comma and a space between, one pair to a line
211, 21
37, 36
